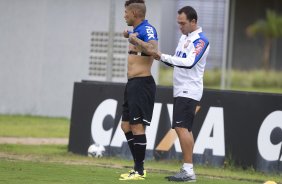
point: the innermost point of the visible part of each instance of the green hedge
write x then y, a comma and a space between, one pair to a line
239, 79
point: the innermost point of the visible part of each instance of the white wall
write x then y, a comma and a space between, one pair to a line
44, 49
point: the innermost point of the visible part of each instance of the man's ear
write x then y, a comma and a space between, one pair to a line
194, 21
134, 12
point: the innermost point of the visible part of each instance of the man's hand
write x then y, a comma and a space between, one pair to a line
126, 33
132, 38
157, 55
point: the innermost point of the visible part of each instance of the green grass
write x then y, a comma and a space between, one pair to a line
254, 81
33, 126
250, 89
55, 158
14, 171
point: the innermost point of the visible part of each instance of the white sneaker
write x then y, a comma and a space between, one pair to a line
183, 176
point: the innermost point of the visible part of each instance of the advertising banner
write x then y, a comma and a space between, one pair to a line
241, 127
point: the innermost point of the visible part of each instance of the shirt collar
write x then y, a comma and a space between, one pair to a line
142, 23
196, 32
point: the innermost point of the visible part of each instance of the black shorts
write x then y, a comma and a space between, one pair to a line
184, 112
139, 98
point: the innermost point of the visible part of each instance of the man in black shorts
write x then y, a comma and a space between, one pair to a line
189, 63
139, 95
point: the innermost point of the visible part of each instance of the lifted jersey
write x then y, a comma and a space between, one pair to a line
189, 63
146, 32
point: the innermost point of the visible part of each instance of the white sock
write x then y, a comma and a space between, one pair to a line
188, 167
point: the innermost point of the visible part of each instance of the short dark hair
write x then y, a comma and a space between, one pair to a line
138, 5
128, 2
190, 13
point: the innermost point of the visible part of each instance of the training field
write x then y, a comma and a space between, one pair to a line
38, 164
29, 164
37, 172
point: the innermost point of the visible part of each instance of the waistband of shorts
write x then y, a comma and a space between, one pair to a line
142, 78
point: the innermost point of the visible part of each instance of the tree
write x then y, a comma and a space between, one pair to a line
271, 29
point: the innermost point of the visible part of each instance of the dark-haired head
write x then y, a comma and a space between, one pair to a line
128, 2
190, 13
135, 12
136, 6
187, 20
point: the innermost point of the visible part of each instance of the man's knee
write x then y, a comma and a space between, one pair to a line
181, 130
125, 126
137, 129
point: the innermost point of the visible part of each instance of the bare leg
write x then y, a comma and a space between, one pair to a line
186, 142
125, 126
137, 129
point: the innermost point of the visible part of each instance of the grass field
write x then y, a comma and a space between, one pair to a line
32, 126
53, 164
12, 171
254, 81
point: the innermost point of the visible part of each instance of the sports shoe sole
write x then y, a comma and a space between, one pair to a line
133, 178
172, 178
126, 174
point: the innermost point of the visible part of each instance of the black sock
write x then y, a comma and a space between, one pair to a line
140, 143
130, 141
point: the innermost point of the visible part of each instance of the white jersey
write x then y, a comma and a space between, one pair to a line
189, 63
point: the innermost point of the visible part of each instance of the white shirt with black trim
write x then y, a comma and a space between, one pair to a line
189, 63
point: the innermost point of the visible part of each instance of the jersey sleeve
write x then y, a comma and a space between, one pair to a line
199, 48
148, 33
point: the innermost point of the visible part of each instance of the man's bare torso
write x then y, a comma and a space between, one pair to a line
138, 66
